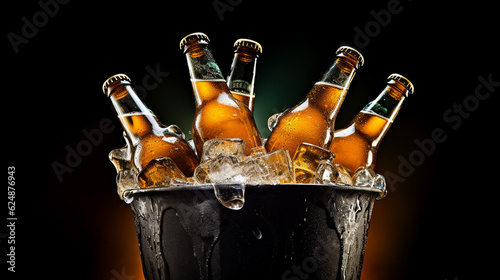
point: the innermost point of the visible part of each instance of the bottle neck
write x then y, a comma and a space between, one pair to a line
341, 72
137, 120
387, 104
329, 92
242, 76
206, 77
201, 63
377, 117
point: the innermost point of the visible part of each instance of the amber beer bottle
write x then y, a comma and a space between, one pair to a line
242, 76
146, 134
218, 114
356, 145
312, 120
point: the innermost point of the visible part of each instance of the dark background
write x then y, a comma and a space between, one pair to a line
437, 222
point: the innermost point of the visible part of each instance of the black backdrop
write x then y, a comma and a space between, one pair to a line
438, 219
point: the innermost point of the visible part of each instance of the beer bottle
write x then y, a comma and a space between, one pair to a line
150, 139
242, 76
218, 114
312, 120
356, 145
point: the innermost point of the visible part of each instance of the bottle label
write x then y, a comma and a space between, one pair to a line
385, 107
205, 67
240, 86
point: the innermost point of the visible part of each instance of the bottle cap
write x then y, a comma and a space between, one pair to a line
249, 43
353, 52
194, 36
112, 79
404, 81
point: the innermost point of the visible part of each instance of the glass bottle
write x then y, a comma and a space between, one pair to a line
312, 120
242, 76
148, 138
218, 114
356, 145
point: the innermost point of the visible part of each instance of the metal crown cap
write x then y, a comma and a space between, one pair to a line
402, 79
194, 36
249, 43
352, 51
112, 79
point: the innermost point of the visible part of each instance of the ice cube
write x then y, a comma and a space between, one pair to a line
161, 172
329, 173
326, 173
221, 169
379, 183
126, 180
126, 172
258, 151
228, 146
278, 166
252, 170
363, 176
306, 161
272, 121
273, 168
344, 174
122, 157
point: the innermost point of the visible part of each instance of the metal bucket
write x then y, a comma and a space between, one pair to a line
289, 231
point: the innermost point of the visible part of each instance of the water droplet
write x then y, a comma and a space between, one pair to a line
231, 196
128, 197
257, 233
382, 194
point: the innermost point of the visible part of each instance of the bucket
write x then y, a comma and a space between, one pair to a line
287, 231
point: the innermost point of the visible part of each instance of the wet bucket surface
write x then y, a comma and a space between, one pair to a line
289, 231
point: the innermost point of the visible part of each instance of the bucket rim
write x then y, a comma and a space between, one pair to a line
210, 187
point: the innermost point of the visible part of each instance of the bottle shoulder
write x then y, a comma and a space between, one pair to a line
367, 124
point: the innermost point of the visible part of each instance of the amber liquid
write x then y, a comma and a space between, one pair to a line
311, 121
219, 115
306, 160
245, 98
153, 143
356, 145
